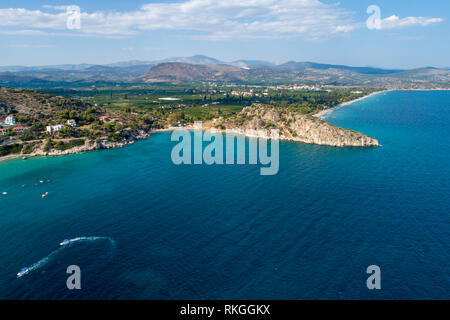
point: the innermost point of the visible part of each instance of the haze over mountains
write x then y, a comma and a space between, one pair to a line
197, 59
203, 68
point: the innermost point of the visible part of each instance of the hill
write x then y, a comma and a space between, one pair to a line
36, 104
193, 72
302, 72
34, 112
203, 68
299, 66
258, 119
197, 59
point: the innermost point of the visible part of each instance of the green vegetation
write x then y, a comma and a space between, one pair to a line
27, 149
119, 112
61, 145
10, 149
202, 102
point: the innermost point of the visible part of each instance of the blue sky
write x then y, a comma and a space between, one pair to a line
410, 34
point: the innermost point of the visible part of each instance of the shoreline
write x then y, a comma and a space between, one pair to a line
320, 114
93, 148
104, 145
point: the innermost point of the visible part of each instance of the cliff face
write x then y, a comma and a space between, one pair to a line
295, 127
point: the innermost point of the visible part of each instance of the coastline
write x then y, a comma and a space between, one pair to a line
320, 114
87, 148
103, 145
112, 145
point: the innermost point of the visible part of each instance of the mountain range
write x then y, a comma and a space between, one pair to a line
203, 68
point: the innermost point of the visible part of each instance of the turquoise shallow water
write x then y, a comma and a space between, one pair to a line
225, 232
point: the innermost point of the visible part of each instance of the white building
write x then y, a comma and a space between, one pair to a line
71, 122
54, 128
10, 120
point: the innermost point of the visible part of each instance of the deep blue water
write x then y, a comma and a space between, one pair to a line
226, 232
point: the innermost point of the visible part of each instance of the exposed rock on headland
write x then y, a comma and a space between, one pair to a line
294, 127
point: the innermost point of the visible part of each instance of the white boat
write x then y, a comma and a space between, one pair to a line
23, 272
65, 241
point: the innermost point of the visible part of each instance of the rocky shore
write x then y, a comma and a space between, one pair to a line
254, 121
257, 121
88, 146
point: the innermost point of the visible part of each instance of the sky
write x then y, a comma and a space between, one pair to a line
394, 34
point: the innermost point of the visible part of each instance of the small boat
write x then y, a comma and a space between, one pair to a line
65, 241
23, 272
24, 158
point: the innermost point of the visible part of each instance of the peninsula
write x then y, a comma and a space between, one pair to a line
257, 120
34, 123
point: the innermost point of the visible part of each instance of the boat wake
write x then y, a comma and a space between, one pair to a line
69, 243
92, 239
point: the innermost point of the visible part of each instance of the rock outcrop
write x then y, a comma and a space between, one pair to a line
257, 120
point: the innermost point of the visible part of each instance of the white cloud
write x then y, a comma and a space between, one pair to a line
205, 19
19, 17
394, 22
210, 19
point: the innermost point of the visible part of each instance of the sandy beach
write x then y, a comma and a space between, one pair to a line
322, 113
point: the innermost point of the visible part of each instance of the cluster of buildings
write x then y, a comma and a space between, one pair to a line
9, 123
71, 122
295, 87
242, 93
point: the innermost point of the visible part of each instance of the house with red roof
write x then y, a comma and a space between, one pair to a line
18, 129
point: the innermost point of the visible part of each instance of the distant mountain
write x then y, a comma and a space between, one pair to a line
131, 63
197, 59
201, 59
66, 67
427, 74
252, 63
14, 78
203, 68
299, 66
87, 73
193, 72
13, 68
302, 72
205, 60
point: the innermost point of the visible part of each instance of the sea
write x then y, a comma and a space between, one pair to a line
141, 227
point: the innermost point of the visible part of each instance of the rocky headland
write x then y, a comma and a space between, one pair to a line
257, 120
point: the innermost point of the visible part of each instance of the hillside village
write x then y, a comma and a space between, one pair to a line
9, 126
33, 123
